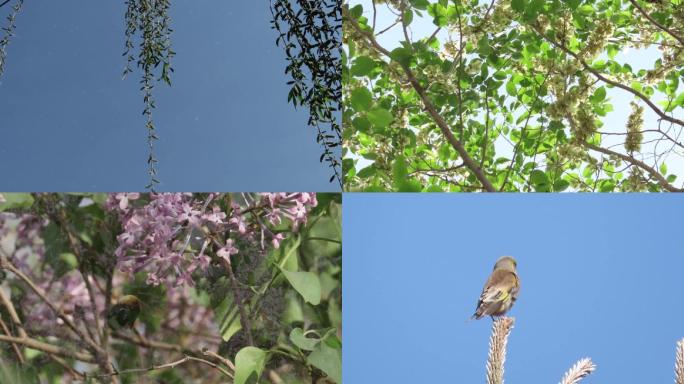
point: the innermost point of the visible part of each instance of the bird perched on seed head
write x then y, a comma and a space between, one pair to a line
124, 312
500, 291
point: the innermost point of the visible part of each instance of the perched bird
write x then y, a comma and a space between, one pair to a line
124, 312
500, 291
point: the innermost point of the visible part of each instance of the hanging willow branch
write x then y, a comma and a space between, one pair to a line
311, 34
9, 32
148, 20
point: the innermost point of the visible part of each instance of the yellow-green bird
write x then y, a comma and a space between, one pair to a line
500, 291
124, 312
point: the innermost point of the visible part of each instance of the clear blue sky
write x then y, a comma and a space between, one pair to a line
68, 121
601, 277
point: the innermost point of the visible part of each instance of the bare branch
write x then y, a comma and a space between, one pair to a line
6, 264
49, 348
501, 328
580, 370
172, 364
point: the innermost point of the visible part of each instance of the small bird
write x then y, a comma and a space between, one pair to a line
124, 312
500, 291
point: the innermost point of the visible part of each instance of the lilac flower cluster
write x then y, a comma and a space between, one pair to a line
174, 234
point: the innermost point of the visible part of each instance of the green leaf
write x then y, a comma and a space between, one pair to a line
663, 169
306, 283
518, 5
226, 314
599, 95
408, 17
361, 99
539, 181
560, 185
328, 360
402, 56
362, 66
362, 124
300, 340
16, 200
511, 89
249, 364
380, 117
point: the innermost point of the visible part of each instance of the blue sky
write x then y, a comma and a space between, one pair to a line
69, 122
601, 277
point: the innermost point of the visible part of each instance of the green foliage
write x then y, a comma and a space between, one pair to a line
524, 86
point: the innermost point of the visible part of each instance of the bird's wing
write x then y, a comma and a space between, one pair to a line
499, 286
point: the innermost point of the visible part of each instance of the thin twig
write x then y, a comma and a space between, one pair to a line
172, 364
501, 328
6, 264
17, 351
49, 348
580, 370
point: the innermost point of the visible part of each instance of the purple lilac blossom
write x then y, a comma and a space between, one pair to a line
156, 236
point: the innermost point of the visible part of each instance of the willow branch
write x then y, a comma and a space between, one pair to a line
49, 348
501, 328
429, 107
679, 363
580, 370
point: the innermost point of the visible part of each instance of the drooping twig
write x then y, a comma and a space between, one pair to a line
679, 363
501, 328
172, 364
9, 32
580, 370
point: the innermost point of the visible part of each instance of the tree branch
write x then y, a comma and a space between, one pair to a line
656, 23
429, 107
172, 364
6, 264
49, 348
609, 81
630, 159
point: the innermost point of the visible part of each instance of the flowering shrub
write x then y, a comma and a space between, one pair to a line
222, 280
